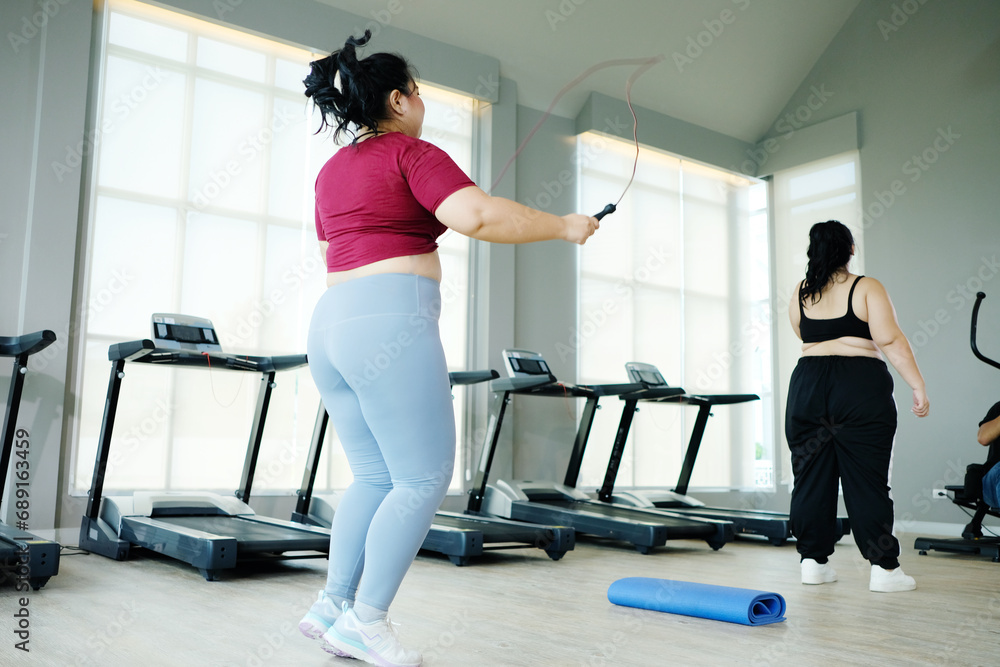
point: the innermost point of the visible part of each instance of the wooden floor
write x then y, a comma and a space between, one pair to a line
517, 608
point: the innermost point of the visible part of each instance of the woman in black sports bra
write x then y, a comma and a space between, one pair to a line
840, 419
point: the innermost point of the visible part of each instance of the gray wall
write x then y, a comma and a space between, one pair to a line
926, 86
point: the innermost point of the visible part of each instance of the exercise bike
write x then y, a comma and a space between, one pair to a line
970, 494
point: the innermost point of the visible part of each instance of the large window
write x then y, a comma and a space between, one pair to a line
203, 165
680, 279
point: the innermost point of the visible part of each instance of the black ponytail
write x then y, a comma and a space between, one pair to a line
360, 95
830, 245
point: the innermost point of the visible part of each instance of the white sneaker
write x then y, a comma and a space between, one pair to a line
815, 573
890, 581
375, 643
318, 620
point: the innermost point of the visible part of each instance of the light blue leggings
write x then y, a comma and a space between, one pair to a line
375, 354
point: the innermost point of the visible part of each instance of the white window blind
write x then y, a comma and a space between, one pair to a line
680, 279
204, 162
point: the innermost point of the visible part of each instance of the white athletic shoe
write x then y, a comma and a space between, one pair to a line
814, 573
890, 581
375, 643
318, 620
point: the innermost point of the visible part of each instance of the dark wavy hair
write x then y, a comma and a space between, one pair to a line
359, 98
829, 251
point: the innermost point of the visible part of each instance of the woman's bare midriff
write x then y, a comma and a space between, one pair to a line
427, 265
846, 346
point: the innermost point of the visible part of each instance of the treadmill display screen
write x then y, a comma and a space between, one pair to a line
530, 366
185, 334
650, 377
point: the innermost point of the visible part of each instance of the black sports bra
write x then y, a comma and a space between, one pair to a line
817, 331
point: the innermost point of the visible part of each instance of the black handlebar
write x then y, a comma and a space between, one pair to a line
610, 208
31, 343
975, 318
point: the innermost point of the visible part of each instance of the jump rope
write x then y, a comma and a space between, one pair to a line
643, 65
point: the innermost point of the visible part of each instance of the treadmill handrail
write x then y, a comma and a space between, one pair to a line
32, 343
614, 389
472, 377
146, 351
654, 393
706, 399
516, 384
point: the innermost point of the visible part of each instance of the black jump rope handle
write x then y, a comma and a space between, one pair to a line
610, 208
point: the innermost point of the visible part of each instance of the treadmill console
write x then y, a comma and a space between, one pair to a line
184, 332
647, 374
522, 363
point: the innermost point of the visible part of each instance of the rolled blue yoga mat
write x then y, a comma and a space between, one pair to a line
719, 603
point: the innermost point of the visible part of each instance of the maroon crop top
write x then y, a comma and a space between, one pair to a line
376, 200
817, 331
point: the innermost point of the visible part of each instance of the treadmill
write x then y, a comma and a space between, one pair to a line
28, 558
549, 502
774, 526
459, 536
207, 530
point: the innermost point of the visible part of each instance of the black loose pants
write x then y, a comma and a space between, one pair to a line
840, 422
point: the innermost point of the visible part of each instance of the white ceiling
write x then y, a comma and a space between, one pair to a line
753, 54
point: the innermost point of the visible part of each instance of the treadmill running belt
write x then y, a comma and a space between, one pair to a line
251, 534
678, 526
492, 530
